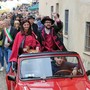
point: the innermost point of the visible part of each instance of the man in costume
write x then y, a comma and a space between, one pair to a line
50, 41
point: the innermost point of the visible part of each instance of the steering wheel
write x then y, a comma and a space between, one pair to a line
61, 72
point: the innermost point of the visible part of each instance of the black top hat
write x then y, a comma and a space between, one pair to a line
31, 17
47, 18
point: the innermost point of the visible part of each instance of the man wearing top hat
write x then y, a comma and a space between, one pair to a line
49, 39
34, 26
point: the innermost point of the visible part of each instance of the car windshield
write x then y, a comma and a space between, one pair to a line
45, 67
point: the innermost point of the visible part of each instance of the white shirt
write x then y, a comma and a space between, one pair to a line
47, 31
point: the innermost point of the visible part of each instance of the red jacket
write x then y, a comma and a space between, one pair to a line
30, 41
57, 43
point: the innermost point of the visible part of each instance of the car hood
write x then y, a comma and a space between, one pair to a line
65, 84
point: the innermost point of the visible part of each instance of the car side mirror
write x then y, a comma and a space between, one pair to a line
11, 78
88, 72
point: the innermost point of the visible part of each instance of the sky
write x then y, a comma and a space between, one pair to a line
25, 1
11, 4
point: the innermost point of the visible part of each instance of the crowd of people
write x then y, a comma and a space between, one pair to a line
28, 34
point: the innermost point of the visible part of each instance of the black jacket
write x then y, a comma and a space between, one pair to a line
13, 33
35, 30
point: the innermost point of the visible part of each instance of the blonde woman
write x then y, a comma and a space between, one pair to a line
17, 25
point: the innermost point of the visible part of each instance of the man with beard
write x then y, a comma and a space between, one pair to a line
49, 39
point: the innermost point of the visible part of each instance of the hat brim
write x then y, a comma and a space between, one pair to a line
43, 20
31, 18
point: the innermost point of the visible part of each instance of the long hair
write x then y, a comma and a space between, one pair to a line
22, 28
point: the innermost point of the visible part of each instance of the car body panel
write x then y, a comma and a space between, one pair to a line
57, 84
51, 83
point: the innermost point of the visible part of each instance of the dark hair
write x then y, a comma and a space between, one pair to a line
57, 15
31, 17
22, 28
59, 57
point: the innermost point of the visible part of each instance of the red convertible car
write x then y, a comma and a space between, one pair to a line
49, 71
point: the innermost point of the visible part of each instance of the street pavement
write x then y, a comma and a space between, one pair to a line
2, 80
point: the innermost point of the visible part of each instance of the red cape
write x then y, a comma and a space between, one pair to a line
18, 39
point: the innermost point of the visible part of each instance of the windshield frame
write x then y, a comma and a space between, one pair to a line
80, 62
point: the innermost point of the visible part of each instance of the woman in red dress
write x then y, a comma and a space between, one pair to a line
24, 42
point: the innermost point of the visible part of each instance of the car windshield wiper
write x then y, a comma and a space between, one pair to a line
32, 77
29, 77
60, 76
43, 78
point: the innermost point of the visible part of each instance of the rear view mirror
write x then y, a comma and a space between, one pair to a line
88, 72
11, 78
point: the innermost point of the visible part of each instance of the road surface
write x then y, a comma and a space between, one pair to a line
2, 81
